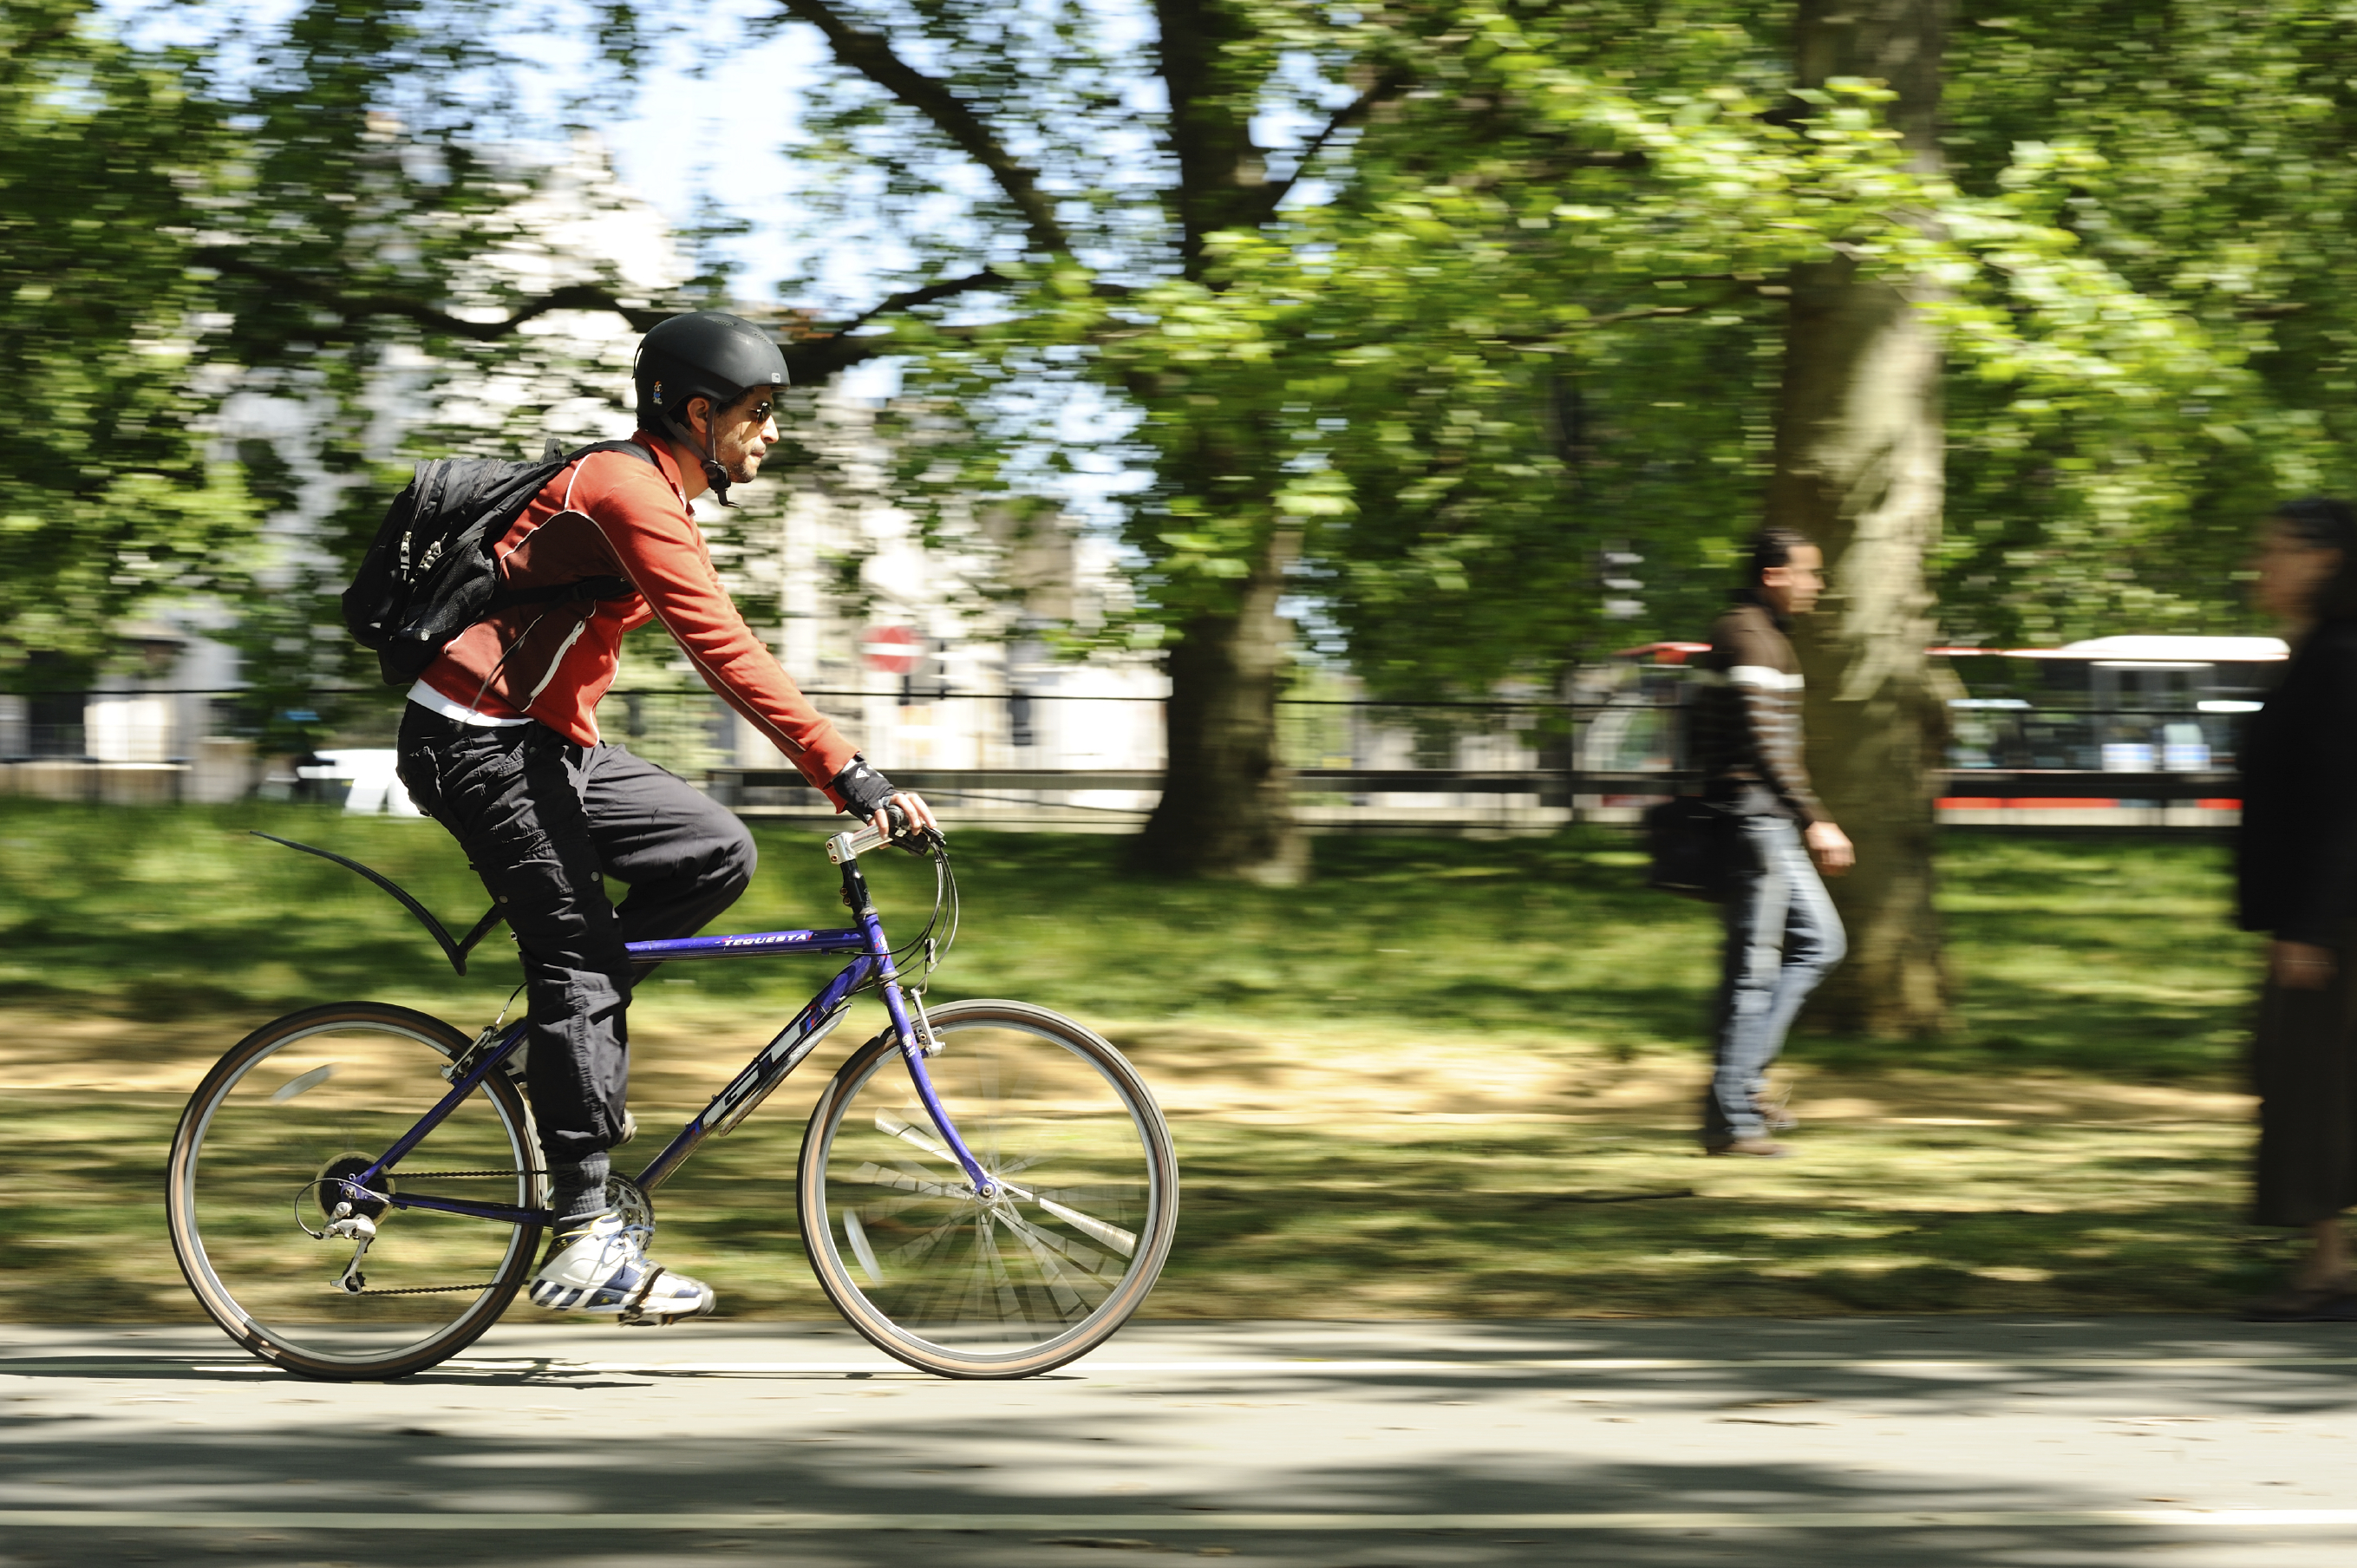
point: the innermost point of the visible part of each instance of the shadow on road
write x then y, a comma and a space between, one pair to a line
1172, 1441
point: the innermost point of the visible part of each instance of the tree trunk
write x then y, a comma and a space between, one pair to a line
1859, 468
1226, 806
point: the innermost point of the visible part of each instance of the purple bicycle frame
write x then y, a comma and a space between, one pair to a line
762, 1074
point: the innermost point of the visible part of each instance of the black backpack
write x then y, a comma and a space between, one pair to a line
1697, 847
429, 574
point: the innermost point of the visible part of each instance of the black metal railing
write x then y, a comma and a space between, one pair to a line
1101, 753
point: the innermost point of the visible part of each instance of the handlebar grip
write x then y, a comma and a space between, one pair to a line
854, 842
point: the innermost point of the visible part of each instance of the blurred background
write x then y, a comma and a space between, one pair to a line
1293, 446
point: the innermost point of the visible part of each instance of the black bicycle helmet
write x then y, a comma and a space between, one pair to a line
708, 354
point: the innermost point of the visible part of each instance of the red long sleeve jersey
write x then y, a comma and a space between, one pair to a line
611, 515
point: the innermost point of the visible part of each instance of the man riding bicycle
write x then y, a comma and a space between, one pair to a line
499, 744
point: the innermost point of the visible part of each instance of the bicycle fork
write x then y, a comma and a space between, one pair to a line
912, 1039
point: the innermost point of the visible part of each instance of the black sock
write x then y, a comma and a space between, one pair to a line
580, 1188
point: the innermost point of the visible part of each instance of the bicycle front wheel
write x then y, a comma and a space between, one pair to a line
321, 1094
1044, 1271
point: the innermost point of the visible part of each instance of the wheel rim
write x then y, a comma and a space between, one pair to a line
1076, 1235
311, 1103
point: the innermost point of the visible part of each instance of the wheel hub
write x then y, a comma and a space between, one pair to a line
329, 1192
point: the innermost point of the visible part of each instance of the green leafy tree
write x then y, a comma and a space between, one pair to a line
324, 225
2129, 405
111, 489
2204, 157
1359, 395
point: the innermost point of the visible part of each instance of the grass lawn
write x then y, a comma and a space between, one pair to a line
1445, 1077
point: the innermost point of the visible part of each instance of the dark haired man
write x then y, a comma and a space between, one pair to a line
1782, 934
499, 744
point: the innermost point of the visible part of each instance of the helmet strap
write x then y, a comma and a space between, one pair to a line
715, 476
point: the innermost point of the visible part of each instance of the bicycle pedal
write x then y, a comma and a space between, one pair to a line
644, 1320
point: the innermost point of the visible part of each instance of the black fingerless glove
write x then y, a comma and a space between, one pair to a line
861, 789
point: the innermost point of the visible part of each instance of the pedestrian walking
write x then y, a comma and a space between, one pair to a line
1782, 933
2295, 879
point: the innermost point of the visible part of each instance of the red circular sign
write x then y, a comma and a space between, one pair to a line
890, 649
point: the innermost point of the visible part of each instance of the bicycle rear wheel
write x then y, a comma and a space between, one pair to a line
322, 1093
1040, 1273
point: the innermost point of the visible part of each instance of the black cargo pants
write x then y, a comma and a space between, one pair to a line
545, 823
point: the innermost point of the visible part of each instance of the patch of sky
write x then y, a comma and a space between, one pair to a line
709, 131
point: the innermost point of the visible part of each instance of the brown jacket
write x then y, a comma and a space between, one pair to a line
1747, 728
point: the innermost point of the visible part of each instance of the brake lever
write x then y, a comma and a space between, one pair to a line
907, 836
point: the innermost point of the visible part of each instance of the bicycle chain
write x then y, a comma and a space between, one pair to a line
438, 1290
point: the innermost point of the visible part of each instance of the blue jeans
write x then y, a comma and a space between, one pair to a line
1783, 937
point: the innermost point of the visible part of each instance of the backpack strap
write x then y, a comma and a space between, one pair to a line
587, 587
556, 593
632, 447
552, 453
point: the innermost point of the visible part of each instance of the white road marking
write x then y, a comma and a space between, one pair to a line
1198, 1524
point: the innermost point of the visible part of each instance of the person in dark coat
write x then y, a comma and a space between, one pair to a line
2296, 876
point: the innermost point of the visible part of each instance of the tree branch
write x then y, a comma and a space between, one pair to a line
812, 359
1602, 157
1390, 83
809, 360
1644, 313
231, 260
909, 298
872, 56
1613, 319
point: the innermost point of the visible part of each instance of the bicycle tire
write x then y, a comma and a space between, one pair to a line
249, 1130
1067, 1100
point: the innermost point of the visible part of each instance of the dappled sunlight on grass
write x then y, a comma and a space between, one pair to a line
1445, 1077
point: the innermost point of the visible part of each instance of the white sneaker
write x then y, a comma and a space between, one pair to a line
599, 1264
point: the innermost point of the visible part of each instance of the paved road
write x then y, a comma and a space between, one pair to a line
1931, 1443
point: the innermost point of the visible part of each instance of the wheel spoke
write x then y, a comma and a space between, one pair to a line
1010, 1305
922, 1140
1114, 1236
857, 1236
1047, 1267
302, 1105
1085, 1258
870, 1172
301, 1081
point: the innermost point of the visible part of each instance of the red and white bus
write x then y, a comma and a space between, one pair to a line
2160, 710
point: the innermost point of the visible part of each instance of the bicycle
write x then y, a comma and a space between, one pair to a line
1001, 1243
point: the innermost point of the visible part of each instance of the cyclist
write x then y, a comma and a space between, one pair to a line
499, 744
